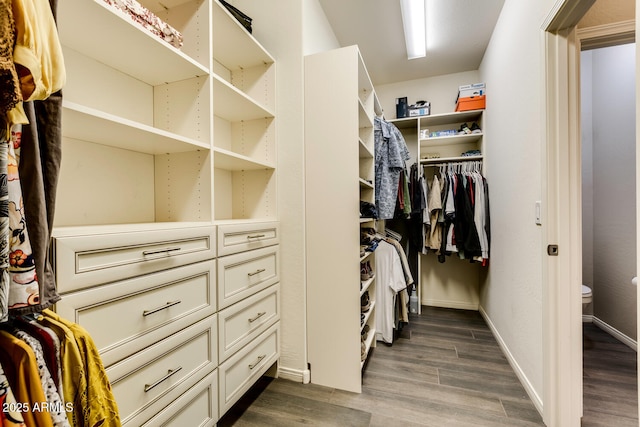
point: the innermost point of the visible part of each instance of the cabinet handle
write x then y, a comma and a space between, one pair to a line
256, 236
253, 365
259, 315
148, 387
164, 307
256, 272
161, 251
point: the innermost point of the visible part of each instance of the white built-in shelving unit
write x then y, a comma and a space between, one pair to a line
433, 277
167, 201
340, 106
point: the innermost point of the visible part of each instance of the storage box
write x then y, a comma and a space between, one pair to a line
401, 108
471, 103
423, 108
475, 89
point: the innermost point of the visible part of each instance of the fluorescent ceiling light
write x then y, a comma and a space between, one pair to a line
414, 19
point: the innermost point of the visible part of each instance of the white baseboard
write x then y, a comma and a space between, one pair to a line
615, 333
587, 318
297, 375
460, 305
535, 398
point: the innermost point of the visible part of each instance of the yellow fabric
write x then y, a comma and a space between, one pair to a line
19, 363
74, 383
37, 54
101, 409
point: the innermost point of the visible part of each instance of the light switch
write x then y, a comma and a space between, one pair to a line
538, 212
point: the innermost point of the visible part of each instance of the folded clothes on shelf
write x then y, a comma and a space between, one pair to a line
148, 20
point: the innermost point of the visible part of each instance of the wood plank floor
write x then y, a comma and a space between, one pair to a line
610, 381
446, 369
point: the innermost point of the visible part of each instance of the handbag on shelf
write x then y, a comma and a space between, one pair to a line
239, 15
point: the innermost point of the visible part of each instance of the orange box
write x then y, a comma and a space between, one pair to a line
471, 103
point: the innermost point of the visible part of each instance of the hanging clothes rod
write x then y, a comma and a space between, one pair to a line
448, 163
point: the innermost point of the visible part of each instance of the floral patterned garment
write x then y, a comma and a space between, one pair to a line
5, 279
10, 415
23, 287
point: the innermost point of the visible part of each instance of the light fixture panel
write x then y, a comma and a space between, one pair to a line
414, 20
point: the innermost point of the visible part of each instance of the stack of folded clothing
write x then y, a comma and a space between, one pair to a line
148, 20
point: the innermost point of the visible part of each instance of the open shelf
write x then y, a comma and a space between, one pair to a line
233, 105
88, 124
244, 52
228, 160
104, 33
451, 139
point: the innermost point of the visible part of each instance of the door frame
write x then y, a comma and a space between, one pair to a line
561, 186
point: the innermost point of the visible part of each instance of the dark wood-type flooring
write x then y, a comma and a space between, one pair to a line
610, 381
445, 369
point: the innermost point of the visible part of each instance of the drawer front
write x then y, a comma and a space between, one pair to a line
89, 260
127, 316
243, 321
141, 381
246, 273
197, 407
242, 370
234, 238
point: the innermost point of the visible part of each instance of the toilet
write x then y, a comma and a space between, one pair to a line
587, 296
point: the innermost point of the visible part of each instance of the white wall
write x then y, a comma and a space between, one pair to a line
512, 295
318, 35
440, 91
586, 114
613, 225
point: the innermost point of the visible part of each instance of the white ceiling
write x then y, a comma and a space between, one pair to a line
458, 34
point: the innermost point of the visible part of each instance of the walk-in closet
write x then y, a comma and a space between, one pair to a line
277, 212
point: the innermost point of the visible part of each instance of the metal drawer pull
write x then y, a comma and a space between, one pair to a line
164, 307
171, 372
256, 236
253, 365
161, 251
259, 315
256, 272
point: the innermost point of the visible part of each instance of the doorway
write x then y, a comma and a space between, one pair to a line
562, 271
607, 113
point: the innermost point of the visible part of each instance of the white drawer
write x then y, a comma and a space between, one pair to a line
146, 382
246, 273
197, 407
89, 259
125, 317
234, 238
243, 321
241, 371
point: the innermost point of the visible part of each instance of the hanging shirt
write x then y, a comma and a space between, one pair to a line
389, 281
434, 236
391, 153
37, 54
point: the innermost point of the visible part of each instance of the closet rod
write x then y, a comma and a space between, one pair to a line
450, 163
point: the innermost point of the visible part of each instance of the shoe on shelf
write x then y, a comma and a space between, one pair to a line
475, 128
464, 129
363, 351
365, 303
364, 332
370, 272
364, 273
